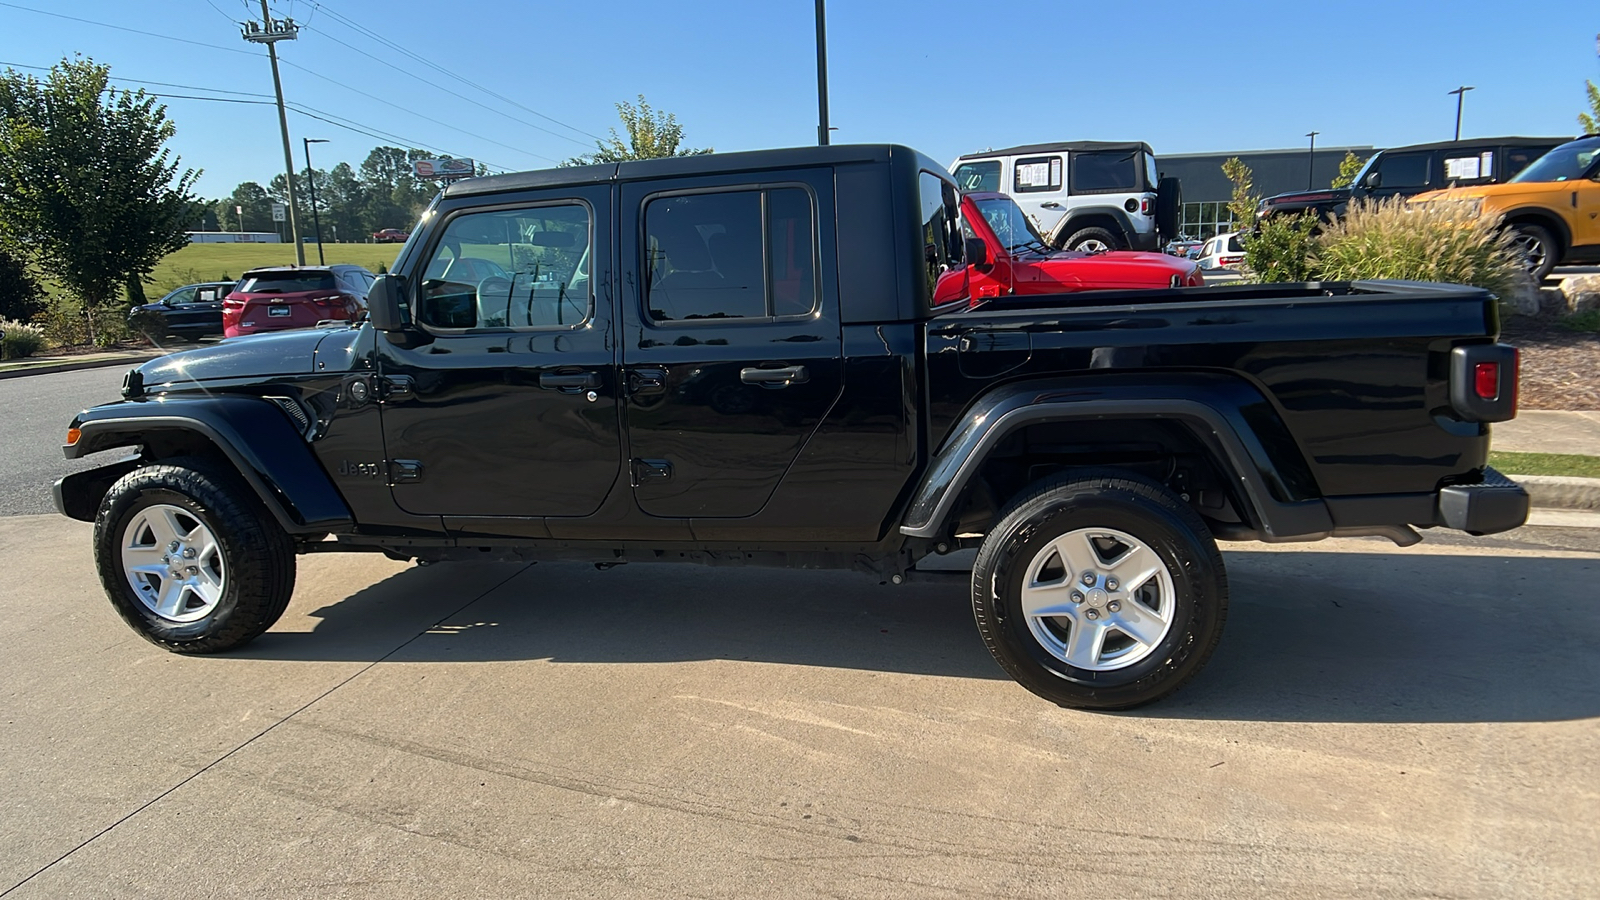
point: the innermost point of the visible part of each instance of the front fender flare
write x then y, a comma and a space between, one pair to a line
253, 434
1283, 502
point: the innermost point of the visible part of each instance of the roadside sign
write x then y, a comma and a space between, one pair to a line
279, 212
444, 168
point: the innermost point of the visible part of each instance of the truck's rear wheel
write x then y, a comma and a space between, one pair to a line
189, 557
1100, 591
1093, 240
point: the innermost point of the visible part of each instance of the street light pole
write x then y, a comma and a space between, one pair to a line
822, 75
269, 33
1311, 161
1461, 93
311, 186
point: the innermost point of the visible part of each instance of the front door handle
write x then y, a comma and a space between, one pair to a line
775, 377
568, 381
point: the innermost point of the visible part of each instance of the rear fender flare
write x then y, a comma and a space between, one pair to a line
265, 448
1086, 216
1274, 482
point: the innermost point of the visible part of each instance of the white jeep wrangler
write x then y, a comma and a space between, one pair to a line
1083, 195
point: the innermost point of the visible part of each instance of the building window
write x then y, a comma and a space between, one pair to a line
1204, 221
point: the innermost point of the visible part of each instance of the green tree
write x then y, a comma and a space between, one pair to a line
1590, 121
1243, 204
248, 208
394, 195
20, 297
651, 135
88, 183
1348, 167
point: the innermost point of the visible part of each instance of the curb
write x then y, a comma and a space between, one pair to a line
1561, 491
101, 363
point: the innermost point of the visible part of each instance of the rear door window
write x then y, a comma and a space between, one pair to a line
982, 175
1468, 166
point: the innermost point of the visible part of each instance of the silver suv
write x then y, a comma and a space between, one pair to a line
1083, 195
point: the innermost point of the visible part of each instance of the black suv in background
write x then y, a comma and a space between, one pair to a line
190, 312
1408, 171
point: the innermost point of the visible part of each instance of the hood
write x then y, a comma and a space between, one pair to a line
252, 357
1504, 194
1326, 195
1119, 261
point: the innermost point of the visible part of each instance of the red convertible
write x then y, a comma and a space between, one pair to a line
1020, 262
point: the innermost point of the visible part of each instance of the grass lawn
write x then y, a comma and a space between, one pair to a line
1545, 464
209, 262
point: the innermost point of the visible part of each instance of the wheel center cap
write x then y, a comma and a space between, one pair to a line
1097, 598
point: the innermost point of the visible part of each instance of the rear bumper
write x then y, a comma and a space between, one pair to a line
1147, 242
1497, 504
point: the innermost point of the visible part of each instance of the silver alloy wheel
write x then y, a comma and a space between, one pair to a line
173, 563
1098, 599
1093, 245
1530, 248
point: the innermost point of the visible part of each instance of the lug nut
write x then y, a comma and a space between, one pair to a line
194, 570
1114, 605
189, 553
173, 547
1088, 578
1111, 584
1077, 596
1093, 613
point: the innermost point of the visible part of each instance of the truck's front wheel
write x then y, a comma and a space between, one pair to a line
189, 557
1100, 592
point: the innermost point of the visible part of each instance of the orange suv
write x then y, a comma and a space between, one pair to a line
1552, 207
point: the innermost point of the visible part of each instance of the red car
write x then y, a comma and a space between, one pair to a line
1020, 262
390, 236
280, 297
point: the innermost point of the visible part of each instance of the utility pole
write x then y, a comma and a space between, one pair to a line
311, 185
822, 75
1311, 161
270, 32
1461, 93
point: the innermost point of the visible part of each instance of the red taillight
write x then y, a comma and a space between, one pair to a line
1146, 205
231, 303
1486, 380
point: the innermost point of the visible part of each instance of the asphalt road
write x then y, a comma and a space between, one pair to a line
34, 413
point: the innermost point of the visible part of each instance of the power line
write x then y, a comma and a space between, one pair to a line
367, 32
165, 37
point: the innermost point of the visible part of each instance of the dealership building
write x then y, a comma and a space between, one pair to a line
1206, 191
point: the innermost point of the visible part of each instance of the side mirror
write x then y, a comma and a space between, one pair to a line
978, 254
1373, 181
388, 308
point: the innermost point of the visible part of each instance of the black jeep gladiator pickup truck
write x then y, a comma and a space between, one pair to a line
770, 358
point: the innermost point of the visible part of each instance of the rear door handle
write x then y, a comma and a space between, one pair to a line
775, 377
1050, 204
569, 381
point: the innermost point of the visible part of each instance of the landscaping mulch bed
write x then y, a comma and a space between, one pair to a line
1560, 368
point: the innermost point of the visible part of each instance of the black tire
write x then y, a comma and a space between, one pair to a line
1138, 508
1093, 233
257, 560
1537, 247
1169, 208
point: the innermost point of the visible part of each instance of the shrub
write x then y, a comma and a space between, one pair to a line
1442, 241
20, 296
62, 323
19, 339
1282, 249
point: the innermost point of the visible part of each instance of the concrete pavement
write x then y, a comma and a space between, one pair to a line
1377, 721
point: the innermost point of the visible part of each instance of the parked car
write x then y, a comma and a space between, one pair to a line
1016, 260
278, 297
1225, 251
1186, 248
190, 312
390, 236
776, 363
1083, 195
1412, 170
1551, 208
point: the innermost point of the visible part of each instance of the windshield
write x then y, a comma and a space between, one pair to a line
286, 282
1010, 224
1564, 163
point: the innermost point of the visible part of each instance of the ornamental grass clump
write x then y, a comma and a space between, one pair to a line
19, 340
1443, 241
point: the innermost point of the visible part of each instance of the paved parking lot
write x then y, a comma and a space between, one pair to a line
1377, 722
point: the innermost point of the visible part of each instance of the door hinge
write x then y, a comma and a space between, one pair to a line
405, 471
650, 471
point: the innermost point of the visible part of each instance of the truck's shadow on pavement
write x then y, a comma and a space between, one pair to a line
1398, 636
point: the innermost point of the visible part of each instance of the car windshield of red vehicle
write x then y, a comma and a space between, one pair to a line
287, 283
1011, 225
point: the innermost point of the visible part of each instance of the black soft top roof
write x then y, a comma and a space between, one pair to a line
1477, 143
1063, 146
710, 163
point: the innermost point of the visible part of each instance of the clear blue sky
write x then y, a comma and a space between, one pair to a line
944, 77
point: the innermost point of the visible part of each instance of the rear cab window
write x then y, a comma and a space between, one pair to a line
287, 282
1106, 171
